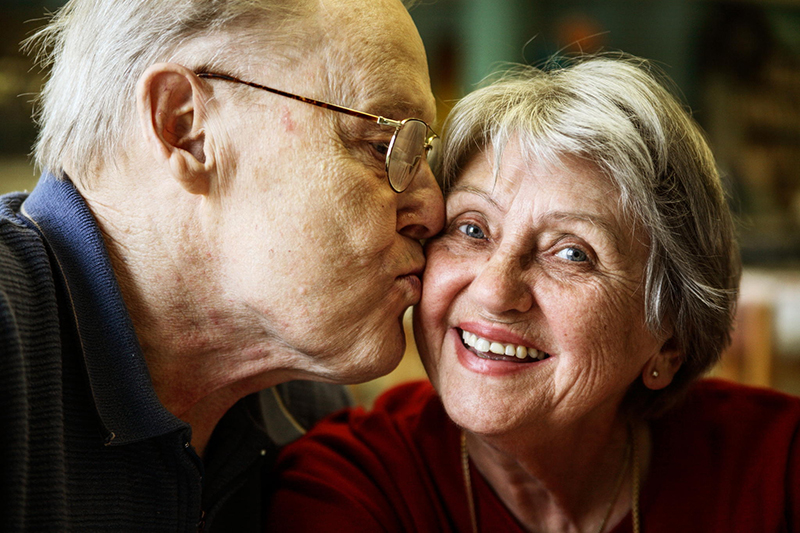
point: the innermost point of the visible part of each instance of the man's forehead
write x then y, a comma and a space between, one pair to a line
400, 104
398, 87
364, 13
375, 56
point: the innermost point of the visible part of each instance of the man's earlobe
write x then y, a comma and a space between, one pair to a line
171, 114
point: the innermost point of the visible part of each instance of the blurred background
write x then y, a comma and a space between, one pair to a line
735, 63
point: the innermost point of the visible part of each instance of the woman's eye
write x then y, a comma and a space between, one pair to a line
573, 254
471, 230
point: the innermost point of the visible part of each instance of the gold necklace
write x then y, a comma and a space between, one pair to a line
630, 450
468, 481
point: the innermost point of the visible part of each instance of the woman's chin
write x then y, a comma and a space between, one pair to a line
482, 418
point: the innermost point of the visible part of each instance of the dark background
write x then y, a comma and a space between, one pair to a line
736, 65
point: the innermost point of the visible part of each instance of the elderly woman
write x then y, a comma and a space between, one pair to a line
585, 279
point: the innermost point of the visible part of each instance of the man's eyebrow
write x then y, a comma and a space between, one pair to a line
393, 106
386, 110
396, 111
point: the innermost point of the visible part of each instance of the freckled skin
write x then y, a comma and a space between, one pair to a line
589, 315
287, 122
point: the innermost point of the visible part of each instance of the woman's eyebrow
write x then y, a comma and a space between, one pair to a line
602, 223
477, 192
592, 219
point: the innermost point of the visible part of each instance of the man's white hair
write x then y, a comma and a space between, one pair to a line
96, 51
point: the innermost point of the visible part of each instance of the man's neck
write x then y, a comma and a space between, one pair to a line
202, 357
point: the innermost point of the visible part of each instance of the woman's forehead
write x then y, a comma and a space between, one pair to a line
509, 165
558, 190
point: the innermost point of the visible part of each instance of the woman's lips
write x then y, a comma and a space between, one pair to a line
500, 351
482, 359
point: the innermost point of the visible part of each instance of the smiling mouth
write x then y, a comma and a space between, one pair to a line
500, 351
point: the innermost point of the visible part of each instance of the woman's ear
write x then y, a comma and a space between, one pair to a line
662, 367
169, 104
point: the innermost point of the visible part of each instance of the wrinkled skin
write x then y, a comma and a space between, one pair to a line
540, 257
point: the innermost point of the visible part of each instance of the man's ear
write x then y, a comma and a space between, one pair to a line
659, 370
171, 114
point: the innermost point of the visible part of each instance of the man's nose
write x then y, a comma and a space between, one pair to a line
420, 208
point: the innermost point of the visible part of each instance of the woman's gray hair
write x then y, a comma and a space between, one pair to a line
614, 113
97, 50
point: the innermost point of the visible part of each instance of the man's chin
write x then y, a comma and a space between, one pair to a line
371, 364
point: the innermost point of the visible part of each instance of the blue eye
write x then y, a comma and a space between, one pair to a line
575, 255
471, 230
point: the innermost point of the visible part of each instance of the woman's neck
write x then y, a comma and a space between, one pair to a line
566, 484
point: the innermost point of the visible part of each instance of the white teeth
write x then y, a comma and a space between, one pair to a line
511, 350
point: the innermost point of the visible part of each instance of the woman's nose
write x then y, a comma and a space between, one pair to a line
420, 208
501, 286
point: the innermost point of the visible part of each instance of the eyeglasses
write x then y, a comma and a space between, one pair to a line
412, 138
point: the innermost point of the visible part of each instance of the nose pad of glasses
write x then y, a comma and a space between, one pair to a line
434, 157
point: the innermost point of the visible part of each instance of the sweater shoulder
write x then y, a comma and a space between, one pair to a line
716, 399
26, 281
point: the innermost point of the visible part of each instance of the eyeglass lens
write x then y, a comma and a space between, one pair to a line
406, 153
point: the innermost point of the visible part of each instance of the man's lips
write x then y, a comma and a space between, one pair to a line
414, 284
411, 278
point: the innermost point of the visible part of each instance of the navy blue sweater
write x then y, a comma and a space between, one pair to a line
85, 443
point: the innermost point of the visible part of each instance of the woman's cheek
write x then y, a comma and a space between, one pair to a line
449, 269
439, 289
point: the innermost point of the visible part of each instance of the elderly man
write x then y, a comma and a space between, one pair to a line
207, 227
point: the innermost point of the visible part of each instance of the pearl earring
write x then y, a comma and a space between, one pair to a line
654, 373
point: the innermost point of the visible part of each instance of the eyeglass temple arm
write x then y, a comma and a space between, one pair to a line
333, 107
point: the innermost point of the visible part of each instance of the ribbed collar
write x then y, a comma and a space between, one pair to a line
123, 392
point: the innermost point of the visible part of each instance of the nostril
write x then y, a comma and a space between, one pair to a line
426, 220
420, 210
417, 231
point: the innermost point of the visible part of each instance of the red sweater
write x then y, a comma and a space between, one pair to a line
726, 460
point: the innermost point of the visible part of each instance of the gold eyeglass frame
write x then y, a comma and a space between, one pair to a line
427, 145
